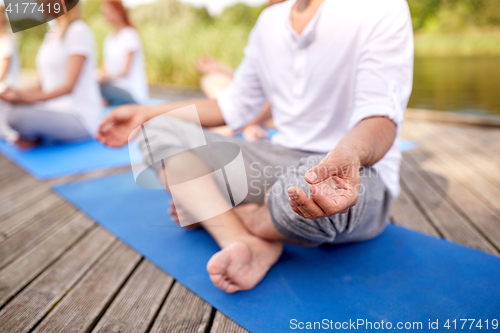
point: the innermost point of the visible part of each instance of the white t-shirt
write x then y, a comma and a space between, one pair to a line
8, 50
85, 100
116, 48
354, 60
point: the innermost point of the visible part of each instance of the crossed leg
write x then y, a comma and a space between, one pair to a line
244, 258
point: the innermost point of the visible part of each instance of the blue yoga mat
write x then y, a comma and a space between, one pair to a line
56, 160
401, 276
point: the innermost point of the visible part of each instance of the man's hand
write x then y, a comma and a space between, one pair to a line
334, 185
254, 132
116, 128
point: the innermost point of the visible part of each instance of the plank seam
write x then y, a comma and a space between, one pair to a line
457, 208
77, 281
48, 266
112, 298
162, 303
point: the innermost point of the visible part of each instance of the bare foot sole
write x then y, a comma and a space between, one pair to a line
242, 264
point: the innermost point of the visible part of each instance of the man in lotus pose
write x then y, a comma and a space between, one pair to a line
338, 75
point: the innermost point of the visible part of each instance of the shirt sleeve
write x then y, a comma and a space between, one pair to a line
131, 40
6, 48
243, 99
79, 39
385, 70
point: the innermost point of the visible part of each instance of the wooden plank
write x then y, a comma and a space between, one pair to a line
36, 300
137, 304
9, 171
452, 225
488, 138
405, 213
462, 199
17, 188
223, 324
183, 312
481, 140
483, 158
29, 213
453, 117
25, 268
29, 198
23, 241
84, 304
456, 167
11, 176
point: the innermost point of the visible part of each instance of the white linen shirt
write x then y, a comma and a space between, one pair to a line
354, 60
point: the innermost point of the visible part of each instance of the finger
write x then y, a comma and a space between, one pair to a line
331, 205
305, 203
304, 212
318, 173
106, 124
295, 208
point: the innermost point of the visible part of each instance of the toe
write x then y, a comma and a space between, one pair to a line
232, 288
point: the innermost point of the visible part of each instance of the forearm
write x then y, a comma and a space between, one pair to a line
370, 139
208, 111
74, 68
42, 96
264, 115
4, 67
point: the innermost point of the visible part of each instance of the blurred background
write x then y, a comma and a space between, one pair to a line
457, 45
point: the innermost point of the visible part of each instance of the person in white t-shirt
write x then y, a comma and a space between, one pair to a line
9, 72
66, 104
123, 77
338, 76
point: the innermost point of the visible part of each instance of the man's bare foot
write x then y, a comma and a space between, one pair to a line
243, 263
245, 212
180, 214
26, 144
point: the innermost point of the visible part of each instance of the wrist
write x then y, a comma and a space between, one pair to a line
351, 155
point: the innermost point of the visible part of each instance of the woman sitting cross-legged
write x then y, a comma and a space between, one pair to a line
66, 104
123, 76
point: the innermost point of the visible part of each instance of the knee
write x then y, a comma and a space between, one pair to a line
13, 120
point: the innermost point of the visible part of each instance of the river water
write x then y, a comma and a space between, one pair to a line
461, 84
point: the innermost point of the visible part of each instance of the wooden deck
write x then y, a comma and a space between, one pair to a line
61, 272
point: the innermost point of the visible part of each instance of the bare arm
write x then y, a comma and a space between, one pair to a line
117, 126
103, 73
335, 181
73, 70
264, 115
370, 139
35, 94
4, 67
128, 64
208, 111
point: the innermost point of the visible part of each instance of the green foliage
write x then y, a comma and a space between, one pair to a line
454, 15
174, 35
